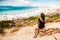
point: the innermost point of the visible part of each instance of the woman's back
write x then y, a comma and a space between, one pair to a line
41, 24
41, 21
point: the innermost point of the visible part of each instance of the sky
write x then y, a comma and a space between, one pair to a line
36, 3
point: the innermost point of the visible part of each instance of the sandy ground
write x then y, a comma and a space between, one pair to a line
26, 33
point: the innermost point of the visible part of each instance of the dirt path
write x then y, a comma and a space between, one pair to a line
26, 33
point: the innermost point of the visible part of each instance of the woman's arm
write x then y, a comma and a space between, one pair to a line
41, 20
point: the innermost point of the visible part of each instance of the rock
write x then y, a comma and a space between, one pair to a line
57, 36
49, 33
41, 34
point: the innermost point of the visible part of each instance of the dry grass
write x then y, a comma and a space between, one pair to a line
14, 30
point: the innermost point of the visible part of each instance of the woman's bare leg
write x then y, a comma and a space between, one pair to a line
36, 32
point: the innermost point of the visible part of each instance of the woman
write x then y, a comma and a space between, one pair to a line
41, 25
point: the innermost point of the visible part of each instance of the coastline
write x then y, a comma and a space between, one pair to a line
28, 14
13, 17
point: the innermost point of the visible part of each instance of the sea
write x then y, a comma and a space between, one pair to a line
12, 10
9, 12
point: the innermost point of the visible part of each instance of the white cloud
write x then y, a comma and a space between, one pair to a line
19, 2
14, 2
26, 3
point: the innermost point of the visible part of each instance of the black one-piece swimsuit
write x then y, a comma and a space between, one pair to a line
41, 24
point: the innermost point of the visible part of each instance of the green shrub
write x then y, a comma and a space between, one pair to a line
6, 24
32, 17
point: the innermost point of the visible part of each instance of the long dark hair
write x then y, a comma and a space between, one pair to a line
43, 16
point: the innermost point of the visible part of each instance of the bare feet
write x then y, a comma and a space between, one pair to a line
35, 37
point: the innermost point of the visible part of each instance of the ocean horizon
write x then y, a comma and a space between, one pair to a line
11, 10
